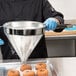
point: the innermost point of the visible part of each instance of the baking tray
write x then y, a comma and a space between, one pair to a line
4, 67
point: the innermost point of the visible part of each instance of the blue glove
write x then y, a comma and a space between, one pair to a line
1, 42
50, 24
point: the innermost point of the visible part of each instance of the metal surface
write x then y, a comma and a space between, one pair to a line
25, 32
24, 36
69, 37
64, 66
23, 28
60, 66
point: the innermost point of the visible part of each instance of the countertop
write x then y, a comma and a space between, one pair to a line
60, 35
65, 66
62, 66
51, 35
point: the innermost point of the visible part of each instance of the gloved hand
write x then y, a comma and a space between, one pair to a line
1, 42
50, 24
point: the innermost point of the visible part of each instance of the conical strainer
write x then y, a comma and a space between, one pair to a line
24, 36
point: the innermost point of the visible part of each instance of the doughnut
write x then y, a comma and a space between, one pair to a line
25, 67
28, 73
13, 72
42, 72
40, 65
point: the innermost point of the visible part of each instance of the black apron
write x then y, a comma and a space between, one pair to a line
17, 10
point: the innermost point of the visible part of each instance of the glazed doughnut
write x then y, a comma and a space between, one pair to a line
25, 67
28, 73
42, 72
13, 72
40, 65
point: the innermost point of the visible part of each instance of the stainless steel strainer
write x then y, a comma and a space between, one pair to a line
24, 36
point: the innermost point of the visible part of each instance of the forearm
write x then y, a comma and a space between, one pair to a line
50, 12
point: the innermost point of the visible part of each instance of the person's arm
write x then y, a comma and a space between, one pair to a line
51, 17
49, 11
